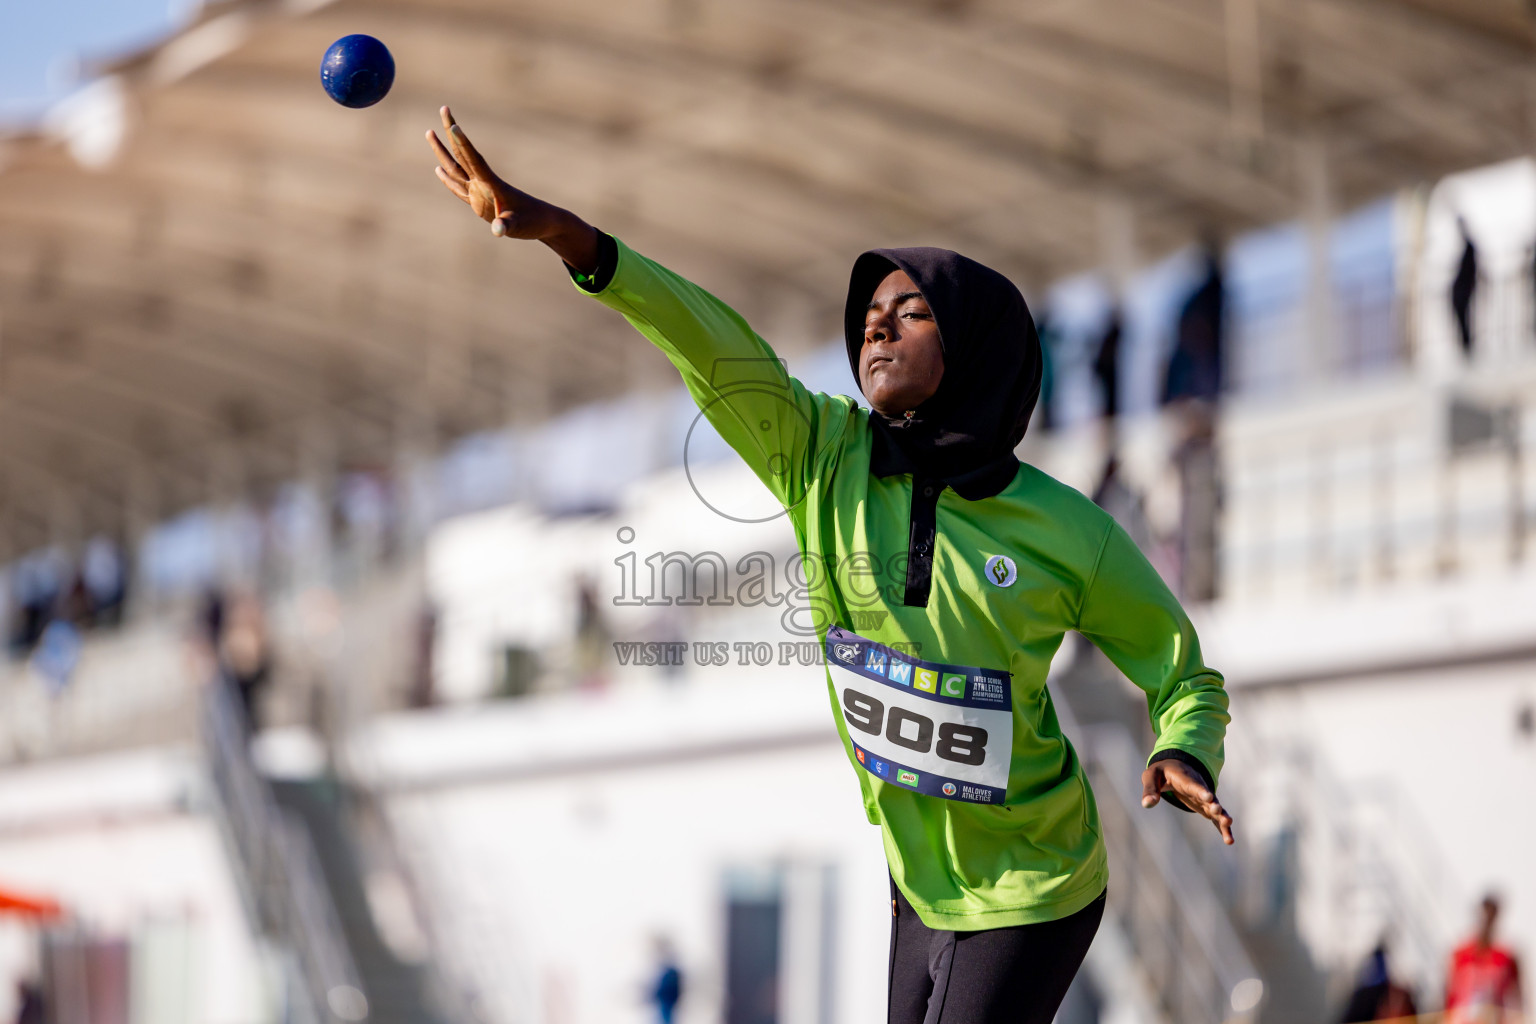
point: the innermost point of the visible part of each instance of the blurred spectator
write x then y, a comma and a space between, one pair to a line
29, 1003
592, 638
670, 625
211, 616
1193, 383
1194, 368
104, 576
57, 654
1124, 503
46, 587
1195, 459
1530, 267
667, 990
38, 578
1464, 286
1483, 986
244, 654
75, 608
1106, 365
422, 693
1376, 995
1397, 1004
1045, 328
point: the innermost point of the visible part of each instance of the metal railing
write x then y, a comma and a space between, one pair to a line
284, 880
1365, 868
1175, 920
1397, 480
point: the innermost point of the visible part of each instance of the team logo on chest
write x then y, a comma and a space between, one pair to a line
1001, 572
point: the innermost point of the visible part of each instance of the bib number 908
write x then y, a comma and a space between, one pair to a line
962, 744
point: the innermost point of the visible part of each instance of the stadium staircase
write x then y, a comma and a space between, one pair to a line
300, 856
1193, 963
1202, 919
396, 991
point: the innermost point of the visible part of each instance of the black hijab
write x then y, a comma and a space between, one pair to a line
965, 434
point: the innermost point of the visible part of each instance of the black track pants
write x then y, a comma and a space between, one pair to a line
1013, 975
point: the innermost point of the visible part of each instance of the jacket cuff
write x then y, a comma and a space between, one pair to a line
1189, 761
607, 263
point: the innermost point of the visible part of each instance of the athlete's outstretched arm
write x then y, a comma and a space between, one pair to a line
1130, 615
742, 388
511, 212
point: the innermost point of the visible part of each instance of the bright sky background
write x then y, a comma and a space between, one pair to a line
41, 40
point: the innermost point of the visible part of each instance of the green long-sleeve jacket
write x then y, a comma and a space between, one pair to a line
987, 818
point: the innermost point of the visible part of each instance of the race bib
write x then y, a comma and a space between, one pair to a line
942, 730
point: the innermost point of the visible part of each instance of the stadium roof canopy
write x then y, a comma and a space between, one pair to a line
213, 278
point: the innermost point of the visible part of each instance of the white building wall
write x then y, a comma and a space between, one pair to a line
1438, 762
565, 833
120, 842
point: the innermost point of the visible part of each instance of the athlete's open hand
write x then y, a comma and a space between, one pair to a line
511, 212
1173, 777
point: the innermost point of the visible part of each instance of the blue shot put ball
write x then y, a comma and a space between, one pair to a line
357, 71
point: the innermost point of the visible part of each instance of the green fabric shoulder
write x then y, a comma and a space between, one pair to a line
779, 428
1126, 609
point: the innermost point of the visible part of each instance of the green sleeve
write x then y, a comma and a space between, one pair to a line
1130, 615
767, 416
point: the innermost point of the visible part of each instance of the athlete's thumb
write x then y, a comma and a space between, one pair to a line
1151, 784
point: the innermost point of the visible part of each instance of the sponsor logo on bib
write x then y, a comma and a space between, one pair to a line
846, 652
906, 778
1001, 571
948, 788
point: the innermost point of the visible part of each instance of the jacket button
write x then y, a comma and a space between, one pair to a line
927, 492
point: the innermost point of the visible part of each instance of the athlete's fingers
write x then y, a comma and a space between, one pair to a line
445, 158
450, 184
1197, 796
1151, 786
470, 157
1223, 822
455, 140
1189, 789
1213, 810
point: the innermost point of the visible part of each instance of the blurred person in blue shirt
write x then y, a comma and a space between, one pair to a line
667, 990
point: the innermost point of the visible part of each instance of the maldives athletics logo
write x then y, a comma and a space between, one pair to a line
949, 789
1001, 571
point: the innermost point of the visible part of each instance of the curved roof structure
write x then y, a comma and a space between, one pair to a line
213, 278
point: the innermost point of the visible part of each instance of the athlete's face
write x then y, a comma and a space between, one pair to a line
902, 361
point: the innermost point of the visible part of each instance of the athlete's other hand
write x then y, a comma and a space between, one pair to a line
1179, 780
512, 213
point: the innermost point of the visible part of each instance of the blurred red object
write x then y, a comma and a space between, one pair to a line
29, 906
